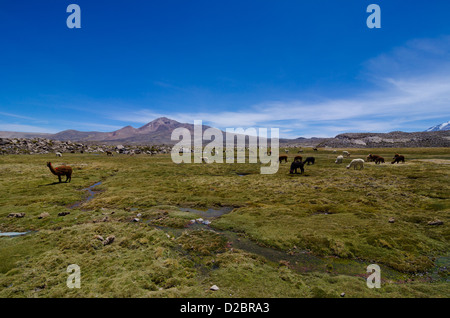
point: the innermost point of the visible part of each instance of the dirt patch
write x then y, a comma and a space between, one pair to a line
437, 161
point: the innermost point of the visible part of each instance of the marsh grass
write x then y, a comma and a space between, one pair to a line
329, 211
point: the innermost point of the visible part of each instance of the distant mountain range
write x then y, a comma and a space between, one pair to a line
159, 132
156, 132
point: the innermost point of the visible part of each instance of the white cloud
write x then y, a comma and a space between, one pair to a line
410, 84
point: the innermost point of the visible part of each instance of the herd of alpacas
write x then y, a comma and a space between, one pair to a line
298, 163
355, 163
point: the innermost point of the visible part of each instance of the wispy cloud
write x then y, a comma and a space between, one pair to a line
15, 116
26, 128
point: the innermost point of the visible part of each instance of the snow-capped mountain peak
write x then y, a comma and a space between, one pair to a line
440, 127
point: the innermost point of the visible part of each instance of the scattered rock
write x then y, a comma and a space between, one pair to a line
135, 220
16, 215
99, 237
43, 215
284, 263
105, 219
342, 294
109, 240
391, 220
214, 288
435, 222
63, 213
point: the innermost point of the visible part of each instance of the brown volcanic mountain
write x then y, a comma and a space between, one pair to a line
158, 131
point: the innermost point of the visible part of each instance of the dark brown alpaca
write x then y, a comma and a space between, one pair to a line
61, 171
397, 158
297, 165
310, 160
298, 158
376, 158
281, 158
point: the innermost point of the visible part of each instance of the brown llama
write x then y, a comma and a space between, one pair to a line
61, 171
397, 158
281, 158
109, 153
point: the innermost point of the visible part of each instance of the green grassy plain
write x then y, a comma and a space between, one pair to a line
309, 235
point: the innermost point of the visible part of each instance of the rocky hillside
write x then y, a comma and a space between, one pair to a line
396, 139
45, 146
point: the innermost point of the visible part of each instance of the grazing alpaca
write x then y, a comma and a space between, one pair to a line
298, 158
397, 158
356, 163
339, 159
205, 160
315, 149
375, 158
296, 165
346, 154
310, 160
109, 153
300, 151
61, 171
281, 158
58, 154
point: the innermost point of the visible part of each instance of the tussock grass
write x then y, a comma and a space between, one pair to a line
328, 211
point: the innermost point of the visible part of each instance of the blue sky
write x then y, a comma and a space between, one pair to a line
310, 68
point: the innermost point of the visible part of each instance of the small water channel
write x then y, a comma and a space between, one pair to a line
13, 234
91, 194
296, 259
